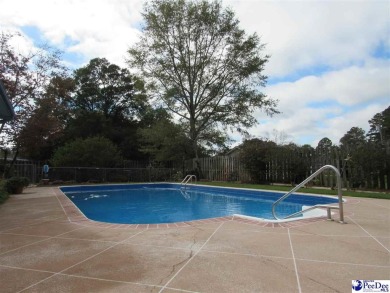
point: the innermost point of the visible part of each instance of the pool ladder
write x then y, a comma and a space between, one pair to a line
187, 179
328, 207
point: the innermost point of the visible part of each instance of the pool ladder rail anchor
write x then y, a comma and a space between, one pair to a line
328, 207
187, 179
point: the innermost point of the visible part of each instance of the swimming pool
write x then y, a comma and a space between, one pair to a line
168, 203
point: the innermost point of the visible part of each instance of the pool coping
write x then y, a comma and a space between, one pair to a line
75, 215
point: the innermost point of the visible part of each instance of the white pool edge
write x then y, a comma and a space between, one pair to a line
317, 213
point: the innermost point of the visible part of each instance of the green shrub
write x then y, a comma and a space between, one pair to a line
178, 176
89, 152
254, 154
3, 192
15, 185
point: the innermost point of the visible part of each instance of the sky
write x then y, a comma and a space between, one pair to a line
329, 67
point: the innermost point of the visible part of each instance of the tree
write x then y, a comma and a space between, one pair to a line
353, 147
379, 135
165, 141
24, 76
202, 66
324, 145
298, 161
255, 154
380, 126
90, 152
386, 125
355, 138
110, 102
108, 89
44, 130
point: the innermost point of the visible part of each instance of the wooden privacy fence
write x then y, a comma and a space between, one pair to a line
290, 168
283, 167
220, 168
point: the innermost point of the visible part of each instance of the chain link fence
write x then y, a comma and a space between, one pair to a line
98, 175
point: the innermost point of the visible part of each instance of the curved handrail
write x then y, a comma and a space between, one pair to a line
315, 174
187, 179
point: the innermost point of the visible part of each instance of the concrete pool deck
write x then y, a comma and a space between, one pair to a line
44, 250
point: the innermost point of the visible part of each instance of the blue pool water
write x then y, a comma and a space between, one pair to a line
168, 203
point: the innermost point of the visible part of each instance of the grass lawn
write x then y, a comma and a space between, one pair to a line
327, 191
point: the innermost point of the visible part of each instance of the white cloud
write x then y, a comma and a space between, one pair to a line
98, 28
328, 105
354, 85
302, 122
308, 126
302, 34
348, 86
336, 127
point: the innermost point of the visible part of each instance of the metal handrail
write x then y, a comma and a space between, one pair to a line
187, 179
317, 206
315, 174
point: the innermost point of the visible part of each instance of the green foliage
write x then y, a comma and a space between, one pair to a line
88, 124
101, 99
203, 67
364, 157
259, 156
324, 145
15, 185
165, 141
90, 152
4, 195
109, 102
354, 139
178, 176
24, 75
380, 127
254, 154
299, 164
108, 89
45, 129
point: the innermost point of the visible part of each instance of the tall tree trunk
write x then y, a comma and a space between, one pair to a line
198, 168
7, 170
5, 163
2, 126
194, 139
